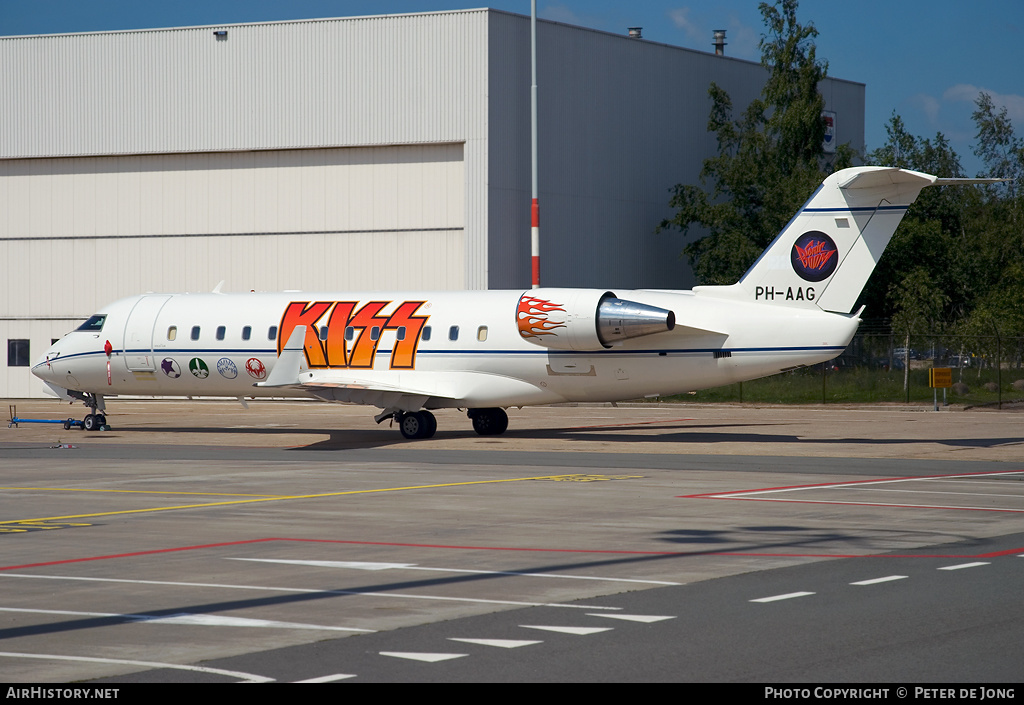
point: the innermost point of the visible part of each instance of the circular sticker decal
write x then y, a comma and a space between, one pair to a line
814, 256
255, 368
198, 368
170, 368
227, 368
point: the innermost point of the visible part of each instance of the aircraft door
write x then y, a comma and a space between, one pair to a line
139, 331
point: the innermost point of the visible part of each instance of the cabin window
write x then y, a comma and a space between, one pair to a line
400, 333
172, 332
221, 330
481, 333
375, 333
195, 332
350, 333
426, 334
323, 332
94, 324
17, 352
246, 332
272, 333
453, 333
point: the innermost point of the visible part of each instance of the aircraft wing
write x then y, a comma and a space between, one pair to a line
403, 389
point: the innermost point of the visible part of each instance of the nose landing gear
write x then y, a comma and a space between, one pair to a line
95, 420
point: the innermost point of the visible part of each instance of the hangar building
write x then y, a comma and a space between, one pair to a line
361, 153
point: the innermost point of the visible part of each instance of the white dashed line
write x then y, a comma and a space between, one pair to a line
787, 596
500, 643
963, 565
328, 679
645, 618
886, 579
420, 656
577, 631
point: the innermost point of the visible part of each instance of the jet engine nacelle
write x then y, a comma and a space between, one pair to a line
586, 319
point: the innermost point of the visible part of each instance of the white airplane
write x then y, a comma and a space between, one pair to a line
485, 351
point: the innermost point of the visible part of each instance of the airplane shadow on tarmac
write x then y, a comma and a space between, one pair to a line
672, 432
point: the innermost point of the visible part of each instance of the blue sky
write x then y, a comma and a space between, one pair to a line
926, 60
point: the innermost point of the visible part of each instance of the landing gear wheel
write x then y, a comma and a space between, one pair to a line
489, 422
89, 423
412, 425
101, 423
431, 424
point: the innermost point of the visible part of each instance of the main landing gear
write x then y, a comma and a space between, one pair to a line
416, 424
422, 424
489, 422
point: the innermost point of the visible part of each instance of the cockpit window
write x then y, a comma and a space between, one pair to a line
94, 324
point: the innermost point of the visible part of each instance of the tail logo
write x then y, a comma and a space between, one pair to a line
814, 256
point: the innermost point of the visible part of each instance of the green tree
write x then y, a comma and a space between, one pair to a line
769, 160
998, 146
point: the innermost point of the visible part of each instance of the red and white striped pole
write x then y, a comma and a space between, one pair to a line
534, 205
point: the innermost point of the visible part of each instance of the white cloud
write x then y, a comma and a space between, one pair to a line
929, 105
562, 13
1013, 103
745, 40
681, 19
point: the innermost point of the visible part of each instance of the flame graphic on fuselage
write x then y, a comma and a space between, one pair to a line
532, 317
814, 256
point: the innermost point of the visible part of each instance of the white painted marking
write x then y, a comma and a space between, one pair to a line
214, 620
417, 656
868, 486
645, 618
964, 565
787, 596
578, 631
413, 566
328, 679
245, 677
884, 504
968, 494
308, 591
355, 565
886, 579
500, 643
205, 620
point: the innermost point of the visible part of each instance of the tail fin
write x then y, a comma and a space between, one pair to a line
824, 256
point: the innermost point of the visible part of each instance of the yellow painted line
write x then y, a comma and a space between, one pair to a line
278, 498
86, 489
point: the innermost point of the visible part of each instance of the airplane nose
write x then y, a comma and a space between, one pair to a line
43, 369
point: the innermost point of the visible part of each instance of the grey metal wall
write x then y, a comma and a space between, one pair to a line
621, 121
360, 81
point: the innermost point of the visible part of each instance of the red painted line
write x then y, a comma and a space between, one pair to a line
130, 555
996, 554
534, 213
